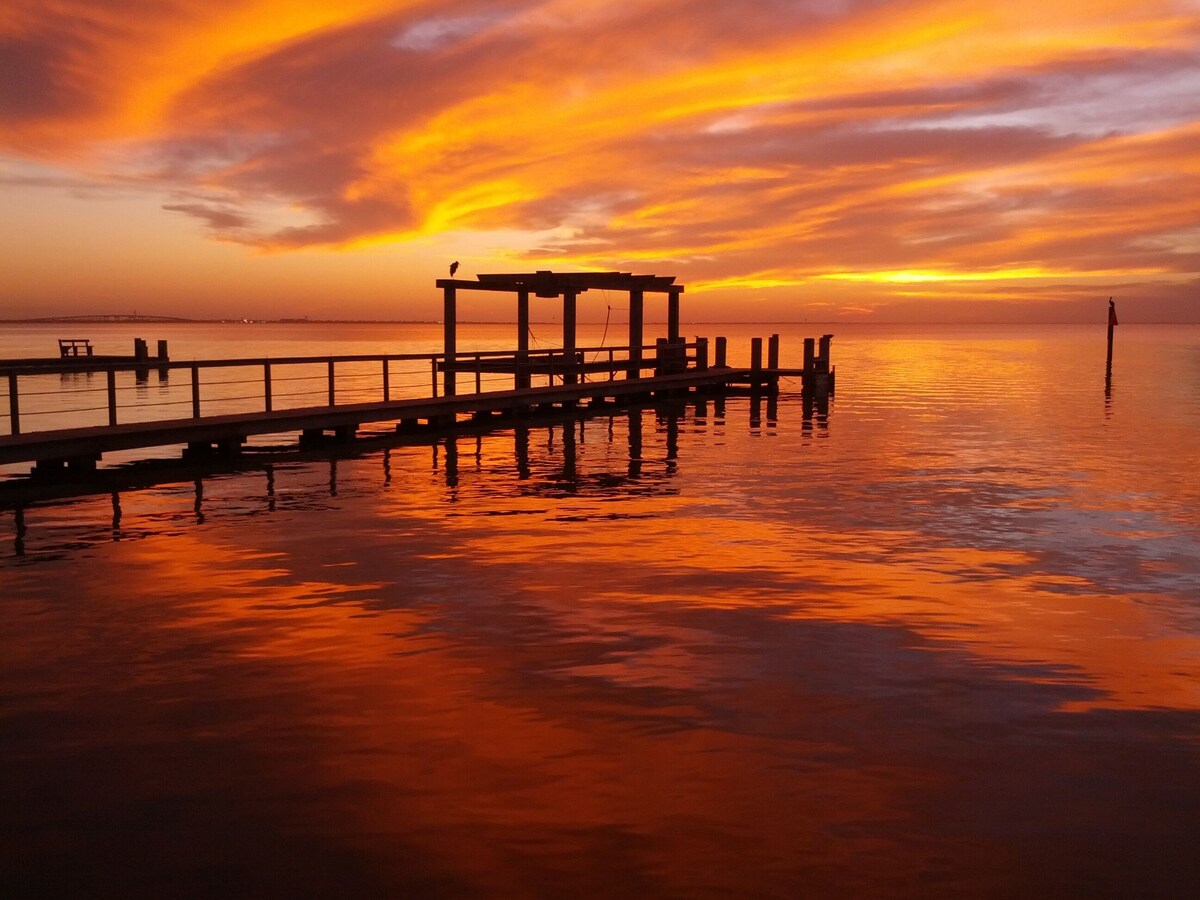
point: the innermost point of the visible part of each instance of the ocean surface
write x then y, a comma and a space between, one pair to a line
937, 638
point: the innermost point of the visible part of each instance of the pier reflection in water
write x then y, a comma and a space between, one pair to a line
750, 649
562, 442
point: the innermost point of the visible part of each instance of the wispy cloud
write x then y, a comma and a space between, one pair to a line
218, 219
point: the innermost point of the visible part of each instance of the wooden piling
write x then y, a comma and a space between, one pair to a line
636, 334
14, 404
568, 341
449, 330
112, 397
522, 378
721, 353
773, 352
1112, 321
195, 392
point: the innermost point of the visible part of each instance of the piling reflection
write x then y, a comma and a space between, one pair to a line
814, 409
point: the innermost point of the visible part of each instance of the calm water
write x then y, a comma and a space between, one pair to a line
940, 640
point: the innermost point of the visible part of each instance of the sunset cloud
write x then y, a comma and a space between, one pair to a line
750, 146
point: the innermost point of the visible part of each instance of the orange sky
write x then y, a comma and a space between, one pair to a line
809, 159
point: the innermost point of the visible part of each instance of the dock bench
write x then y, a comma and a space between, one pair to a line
74, 347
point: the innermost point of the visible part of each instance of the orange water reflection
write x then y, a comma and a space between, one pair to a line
666, 654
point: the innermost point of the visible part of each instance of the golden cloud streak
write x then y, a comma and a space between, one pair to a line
527, 141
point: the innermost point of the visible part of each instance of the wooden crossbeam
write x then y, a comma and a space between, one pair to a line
553, 284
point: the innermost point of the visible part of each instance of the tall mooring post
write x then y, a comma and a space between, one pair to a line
637, 301
450, 330
569, 306
523, 379
1112, 323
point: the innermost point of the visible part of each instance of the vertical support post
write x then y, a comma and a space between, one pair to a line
522, 379
267, 386
112, 397
14, 404
195, 392
673, 314
331, 394
702, 353
756, 354
1112, 321
450, 348
569, 375
478, 374
637, 304
387, 388
809, 359
822, 360
721, 353
773, 352
164, 372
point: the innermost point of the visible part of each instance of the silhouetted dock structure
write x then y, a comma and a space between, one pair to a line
75, 350
479, 387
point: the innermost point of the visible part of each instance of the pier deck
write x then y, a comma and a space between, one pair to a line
82, 447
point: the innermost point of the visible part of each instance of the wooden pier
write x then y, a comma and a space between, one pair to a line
72, 351
472, 384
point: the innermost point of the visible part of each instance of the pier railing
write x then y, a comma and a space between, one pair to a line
85, 393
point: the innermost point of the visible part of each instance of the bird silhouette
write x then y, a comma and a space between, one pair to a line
453, 268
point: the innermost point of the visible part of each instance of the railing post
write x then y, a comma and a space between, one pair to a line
14, 404
331, 393
195, 392
433, 366
267, 386
387, 388
478, 375
112, 397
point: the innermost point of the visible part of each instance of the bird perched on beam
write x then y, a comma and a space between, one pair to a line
453, 268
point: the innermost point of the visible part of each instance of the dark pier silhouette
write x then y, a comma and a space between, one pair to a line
462, 389
72, 351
